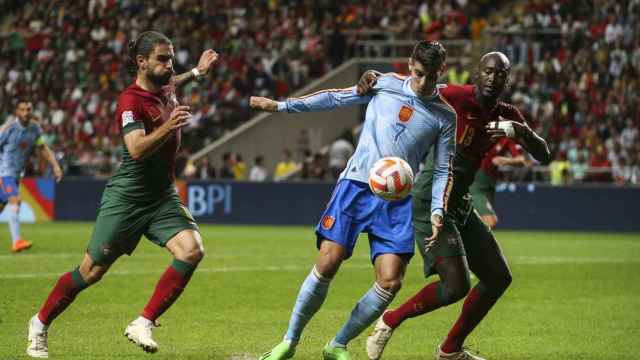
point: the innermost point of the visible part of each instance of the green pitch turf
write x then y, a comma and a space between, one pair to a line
574, 296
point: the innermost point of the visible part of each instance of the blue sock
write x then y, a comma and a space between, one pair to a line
367, 310
14, 223
311, 296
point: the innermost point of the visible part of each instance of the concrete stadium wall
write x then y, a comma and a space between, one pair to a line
525, 207
268, 133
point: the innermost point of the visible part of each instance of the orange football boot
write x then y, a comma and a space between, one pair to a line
20, 245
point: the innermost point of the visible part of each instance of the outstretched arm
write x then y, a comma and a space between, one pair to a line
532, 142
207, 58
444, 151
523, 134
322, 100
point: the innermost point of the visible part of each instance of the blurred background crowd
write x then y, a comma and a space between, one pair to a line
575, 73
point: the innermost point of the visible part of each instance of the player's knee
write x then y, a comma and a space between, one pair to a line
327, 266
93, 276
391, 285
456, 291
499, 284
193, 255
329, 260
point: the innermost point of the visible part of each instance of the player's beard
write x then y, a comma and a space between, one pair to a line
159, 79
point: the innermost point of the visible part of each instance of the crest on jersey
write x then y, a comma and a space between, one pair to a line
127, 118
328, 221
405, 113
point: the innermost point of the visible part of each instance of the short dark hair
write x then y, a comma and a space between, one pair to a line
23, 100
430, 54
144, 45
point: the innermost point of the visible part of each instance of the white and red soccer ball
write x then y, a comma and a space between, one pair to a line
391, 178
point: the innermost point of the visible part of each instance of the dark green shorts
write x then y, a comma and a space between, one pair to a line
483, 191
460, 235
120, 224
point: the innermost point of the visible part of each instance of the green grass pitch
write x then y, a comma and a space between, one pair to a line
574, 296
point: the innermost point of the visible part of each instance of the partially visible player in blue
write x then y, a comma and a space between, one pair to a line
405, 116
18, 138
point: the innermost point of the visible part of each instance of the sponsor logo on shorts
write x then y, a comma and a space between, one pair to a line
328, 221
405, 113
106, 250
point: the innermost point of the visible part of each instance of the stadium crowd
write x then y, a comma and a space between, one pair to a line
575, 71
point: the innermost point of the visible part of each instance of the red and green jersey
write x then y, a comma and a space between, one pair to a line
504, 146
147, 179
472, 140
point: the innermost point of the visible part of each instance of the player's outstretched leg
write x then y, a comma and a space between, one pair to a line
310, 298
453, 286
389, 273
187, 249
62, 295
488, 263
17, 242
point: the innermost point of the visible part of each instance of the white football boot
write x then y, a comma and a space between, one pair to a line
460, 355
37, 339
378, 339
140, 334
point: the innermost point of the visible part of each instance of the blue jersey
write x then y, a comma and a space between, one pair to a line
16, 145
397, 123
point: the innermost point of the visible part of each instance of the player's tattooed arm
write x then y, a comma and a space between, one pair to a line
140, 144
207, 58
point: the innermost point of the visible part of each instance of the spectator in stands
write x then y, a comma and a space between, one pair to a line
579, 168
258, 171
285, 167
239, 168
205, 170
579, 62
458, 74
317, 167
339, 153
559, 169
228, 162
314, 166
600, 166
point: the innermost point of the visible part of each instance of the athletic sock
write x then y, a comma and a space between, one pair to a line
431, 297
366, 311
310, 297
63, 294
475, 308
14, 222
168, 289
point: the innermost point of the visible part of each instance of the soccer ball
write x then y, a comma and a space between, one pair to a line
391, 178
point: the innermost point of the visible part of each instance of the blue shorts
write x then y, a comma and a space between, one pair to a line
9, 187
354, 209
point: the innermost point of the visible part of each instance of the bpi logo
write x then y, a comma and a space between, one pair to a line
207, 199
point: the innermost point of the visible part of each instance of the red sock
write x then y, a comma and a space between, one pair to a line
427, 299
61, 296
475, 308
168, 289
